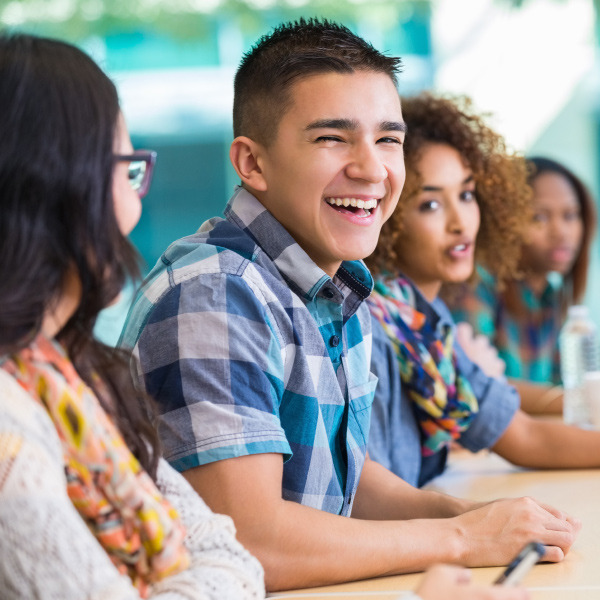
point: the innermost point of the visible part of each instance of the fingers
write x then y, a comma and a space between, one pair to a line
556, 530
553, 554
554, 511
512, 524
454, 583
464, 329
479, 349
450, 573
561, 531
574, 522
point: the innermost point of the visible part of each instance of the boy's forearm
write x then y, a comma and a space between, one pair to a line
381, 495
313, 548
303, 547
300, 546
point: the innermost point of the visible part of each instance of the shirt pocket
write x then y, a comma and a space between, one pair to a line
361, 400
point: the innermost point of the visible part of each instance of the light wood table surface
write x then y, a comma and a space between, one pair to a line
485, 476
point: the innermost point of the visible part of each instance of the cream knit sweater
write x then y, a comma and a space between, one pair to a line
47, 551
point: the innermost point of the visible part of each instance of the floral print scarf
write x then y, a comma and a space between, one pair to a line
443, 400
117, 499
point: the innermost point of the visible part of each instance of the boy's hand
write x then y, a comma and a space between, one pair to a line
495, 532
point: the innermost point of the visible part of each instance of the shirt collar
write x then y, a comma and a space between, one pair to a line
436, 312
554, 286
294, 264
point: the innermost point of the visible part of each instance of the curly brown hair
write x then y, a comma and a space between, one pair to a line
502, 192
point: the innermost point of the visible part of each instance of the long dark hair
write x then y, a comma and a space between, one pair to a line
58, 120
576, 279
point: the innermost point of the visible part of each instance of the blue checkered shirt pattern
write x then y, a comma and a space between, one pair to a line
249, 347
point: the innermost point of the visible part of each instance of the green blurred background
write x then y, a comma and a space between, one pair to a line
533, 65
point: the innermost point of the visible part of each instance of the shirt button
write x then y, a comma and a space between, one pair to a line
334, 340
327, 293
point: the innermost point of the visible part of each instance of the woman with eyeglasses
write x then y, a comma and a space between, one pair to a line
87, 506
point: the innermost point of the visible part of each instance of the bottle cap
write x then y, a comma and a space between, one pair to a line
578, 310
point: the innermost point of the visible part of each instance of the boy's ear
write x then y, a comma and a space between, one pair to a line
245, 156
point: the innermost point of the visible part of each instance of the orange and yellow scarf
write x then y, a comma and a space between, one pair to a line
117, 499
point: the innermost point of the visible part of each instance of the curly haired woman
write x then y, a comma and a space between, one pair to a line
466, 198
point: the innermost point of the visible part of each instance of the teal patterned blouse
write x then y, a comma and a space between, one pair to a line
527, 343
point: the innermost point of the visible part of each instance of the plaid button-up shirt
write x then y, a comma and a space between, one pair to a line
249, 347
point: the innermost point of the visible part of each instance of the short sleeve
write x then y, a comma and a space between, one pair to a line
498, 403
211, 356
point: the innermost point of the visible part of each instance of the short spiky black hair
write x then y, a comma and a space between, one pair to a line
291, 51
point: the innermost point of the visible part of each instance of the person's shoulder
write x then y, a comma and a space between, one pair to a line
15, 401
192, 265
218, 246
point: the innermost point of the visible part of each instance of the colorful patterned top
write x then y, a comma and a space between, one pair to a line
249, 347
528, 344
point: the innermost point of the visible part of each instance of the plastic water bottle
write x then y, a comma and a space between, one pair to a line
578, 356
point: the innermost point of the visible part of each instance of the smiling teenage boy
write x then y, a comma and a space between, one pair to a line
254, 337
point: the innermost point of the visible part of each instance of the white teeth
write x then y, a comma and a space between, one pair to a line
460, 247
358, 203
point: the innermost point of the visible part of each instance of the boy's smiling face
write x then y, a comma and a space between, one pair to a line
339, 144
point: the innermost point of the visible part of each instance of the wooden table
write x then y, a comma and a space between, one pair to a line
485, 476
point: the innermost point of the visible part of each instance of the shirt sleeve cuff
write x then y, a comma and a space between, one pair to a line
497, 408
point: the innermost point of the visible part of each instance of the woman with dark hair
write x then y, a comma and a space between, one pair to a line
466, 198
523, 318
87, 506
